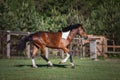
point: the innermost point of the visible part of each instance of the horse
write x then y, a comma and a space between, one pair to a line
43, 39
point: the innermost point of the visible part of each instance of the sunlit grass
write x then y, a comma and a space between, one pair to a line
86, 69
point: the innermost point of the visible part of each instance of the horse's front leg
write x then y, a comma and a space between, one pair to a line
69, 55
71, 60
66, 58
33, 55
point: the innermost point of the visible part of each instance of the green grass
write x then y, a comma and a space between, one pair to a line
86, 69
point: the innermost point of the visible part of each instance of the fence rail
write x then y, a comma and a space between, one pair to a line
9, 40
113, 47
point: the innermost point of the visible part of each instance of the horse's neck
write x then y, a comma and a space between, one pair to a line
72, 35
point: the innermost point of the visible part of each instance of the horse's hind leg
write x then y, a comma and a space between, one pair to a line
43, 49
46, 59
33, 55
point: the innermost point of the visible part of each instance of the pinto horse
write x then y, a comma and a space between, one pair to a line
54, 40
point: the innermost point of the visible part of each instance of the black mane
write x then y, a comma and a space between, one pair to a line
70, 27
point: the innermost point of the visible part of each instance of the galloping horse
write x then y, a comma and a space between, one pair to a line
54, 40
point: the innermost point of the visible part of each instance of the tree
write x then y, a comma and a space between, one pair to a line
105, 17
99, 17
19, 15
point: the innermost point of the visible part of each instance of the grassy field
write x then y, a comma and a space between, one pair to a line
86, 69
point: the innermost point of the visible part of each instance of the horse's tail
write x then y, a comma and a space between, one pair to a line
22, 43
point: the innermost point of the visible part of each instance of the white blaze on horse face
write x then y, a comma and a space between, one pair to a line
65, 34
64, 60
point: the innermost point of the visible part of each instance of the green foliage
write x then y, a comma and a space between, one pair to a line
18, 15
104, 19
97, 16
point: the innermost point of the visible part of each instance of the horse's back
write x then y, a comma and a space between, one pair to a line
48, 34
49, 39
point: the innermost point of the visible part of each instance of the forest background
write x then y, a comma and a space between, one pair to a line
99, 17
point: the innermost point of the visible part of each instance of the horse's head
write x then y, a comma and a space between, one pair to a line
81, 32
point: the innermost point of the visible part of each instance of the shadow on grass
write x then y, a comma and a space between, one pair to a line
43, 65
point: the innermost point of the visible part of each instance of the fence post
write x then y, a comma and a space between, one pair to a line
28, 48
81, 40
83, 51
93, 50
62, 54
8, 44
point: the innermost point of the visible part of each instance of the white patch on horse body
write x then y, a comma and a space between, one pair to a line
65, 34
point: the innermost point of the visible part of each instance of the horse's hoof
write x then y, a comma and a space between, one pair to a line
34, 66
72, 65
50, 64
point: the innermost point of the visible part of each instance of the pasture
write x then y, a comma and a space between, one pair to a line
86, 69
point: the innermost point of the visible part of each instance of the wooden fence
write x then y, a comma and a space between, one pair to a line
7, 45
112, 48
8, 49
9, 39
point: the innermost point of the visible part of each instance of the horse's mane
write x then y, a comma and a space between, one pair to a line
65, 29
70, 27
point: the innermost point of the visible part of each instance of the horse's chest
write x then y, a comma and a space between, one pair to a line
65, 34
